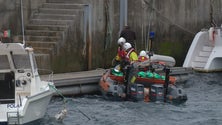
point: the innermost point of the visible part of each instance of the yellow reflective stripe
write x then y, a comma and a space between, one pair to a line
133, 56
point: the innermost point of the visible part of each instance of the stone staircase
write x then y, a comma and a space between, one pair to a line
47, 29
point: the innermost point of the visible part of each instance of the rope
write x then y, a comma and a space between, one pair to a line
58, 92
66, 99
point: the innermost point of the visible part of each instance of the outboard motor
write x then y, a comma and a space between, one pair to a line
156, 93
137, 92
176, 95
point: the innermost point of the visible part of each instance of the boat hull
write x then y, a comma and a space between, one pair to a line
36, 107
113, 88
204, 54
32, 108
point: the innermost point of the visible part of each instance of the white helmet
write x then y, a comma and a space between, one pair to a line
142, 53
121, 40
126, 46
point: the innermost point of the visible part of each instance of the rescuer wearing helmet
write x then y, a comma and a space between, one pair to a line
142, 56
128, 67
121, 41
131, 55
120, 52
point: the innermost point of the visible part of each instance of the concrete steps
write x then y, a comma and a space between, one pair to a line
43, 60
43, 33
41, 38
51, 22
48, 28
59, 11
63, 5
44, 50
54, 16
41, 44
68, 1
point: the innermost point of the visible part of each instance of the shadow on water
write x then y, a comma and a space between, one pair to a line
203, 107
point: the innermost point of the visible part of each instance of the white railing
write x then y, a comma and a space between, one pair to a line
46, 74
13, 118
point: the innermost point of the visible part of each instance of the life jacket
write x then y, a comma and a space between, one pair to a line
142, 58
121, 53
127, 57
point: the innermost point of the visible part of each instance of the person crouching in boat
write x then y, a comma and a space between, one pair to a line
131, 60
120, 52
130, 57
128, 67
141, 59
142, 56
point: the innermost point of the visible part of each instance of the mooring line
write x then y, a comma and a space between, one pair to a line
66, 100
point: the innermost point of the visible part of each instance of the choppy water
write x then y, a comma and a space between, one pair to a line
204, 107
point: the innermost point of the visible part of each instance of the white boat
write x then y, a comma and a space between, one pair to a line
167, 60
205, 52
24, 97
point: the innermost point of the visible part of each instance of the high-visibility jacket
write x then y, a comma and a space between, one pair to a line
120, 54
131, 55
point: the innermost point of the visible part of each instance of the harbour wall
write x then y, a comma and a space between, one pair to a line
175, 23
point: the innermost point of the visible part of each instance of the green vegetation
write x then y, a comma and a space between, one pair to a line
175, 49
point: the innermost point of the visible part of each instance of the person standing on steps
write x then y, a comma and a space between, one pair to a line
129, 35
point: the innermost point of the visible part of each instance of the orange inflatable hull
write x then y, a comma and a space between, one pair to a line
104, 84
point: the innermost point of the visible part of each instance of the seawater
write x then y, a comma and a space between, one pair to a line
203, 107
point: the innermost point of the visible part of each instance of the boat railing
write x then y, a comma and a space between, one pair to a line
13, 118
46, 74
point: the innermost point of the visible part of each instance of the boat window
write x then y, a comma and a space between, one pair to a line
4, 63
22, 61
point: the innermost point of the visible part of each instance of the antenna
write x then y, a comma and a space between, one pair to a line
22, 20
147, 43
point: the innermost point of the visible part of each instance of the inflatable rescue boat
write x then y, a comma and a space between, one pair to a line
137, 84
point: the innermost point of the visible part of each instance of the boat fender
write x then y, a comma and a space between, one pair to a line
170, 97
104, 85
146, 94
212, 34
105, 75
